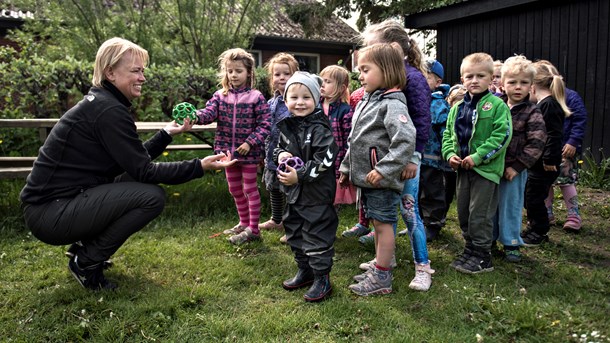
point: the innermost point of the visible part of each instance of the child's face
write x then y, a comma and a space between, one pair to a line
370, 77
281, 74
476, 78
237, 73
328, 88
517, 87
299, 100
497, 77
433, 81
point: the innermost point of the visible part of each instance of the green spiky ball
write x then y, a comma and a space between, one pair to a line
184, 110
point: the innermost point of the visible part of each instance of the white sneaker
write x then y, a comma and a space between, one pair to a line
423, 277
370, 265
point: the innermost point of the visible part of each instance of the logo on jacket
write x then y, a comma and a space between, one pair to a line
403, 118
326, 163
308, 138
487, 106
90, 98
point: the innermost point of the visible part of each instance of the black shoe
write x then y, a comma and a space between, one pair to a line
303, 278
76, 246
461, 259
532, 238
495, 250
320, 289
432, 233
479, 262
90, 277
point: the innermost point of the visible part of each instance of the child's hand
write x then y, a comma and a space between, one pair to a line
455, 162
568, 151
289, 177
373, 177
343, 180
409, 172
510, 173
173, 128
243, 149
468, 163
281, 157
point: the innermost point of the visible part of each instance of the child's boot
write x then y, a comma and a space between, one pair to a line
320, 289
303, 278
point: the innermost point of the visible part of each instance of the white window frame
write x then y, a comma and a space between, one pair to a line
259, 60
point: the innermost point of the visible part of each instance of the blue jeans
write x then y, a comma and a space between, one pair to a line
409, 209
507, 222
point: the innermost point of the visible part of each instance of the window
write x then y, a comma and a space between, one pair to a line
308, 62
258, 58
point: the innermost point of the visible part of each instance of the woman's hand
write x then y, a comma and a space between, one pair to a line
173, 128
219, 161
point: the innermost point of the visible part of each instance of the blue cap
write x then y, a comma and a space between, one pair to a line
436, 68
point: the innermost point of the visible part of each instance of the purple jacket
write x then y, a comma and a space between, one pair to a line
242, 116
418, 97
575, 125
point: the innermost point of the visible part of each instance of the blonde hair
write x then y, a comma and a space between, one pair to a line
341, 76
516, 65
392, 31
236, 54
388, 57
547, 77
110, 53
478, 58
498, 64
455, 94
281, 58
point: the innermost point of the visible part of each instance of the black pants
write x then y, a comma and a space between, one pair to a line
536, 190
102, 218
311, 232
432, 196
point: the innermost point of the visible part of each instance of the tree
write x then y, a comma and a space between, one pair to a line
376, 11
194, 32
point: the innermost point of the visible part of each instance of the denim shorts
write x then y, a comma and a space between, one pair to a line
380, 204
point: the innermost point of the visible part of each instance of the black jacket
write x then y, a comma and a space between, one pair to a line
311, 139
94, 142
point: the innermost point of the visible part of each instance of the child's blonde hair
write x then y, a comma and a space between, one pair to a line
281, 58
547, 77
341, 76
498, 64
236, 54
456, 93
516, 65
478, 58
388, 57
392, 31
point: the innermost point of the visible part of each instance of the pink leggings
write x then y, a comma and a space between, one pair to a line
243, 187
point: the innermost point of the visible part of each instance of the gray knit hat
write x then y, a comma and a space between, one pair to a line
311, 81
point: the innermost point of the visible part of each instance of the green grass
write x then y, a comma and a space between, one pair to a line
179, 284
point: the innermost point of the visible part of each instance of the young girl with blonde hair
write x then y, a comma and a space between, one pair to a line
243, 123
548, 91
335, 103
280, 68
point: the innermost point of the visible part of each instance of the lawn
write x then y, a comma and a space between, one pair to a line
180, 282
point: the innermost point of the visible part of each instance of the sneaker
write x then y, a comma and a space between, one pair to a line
423, 277
245, 236
573, 223
234, 230
512, 255
356, 231
76, 246
495, 250
284, 239
271, 225
477, 263
370, 265
360, 277
91, 277
403, 232
462, 258
533, 239
368, 239
375, 282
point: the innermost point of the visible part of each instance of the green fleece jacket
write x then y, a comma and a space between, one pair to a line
487, 122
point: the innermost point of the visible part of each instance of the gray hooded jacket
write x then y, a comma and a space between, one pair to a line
382, 137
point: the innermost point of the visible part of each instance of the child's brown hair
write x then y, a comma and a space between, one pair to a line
388, 57
236, 54
281, 58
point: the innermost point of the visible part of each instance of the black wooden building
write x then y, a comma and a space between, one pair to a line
572, 34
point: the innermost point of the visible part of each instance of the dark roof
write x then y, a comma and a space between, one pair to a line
461, 10
279, 25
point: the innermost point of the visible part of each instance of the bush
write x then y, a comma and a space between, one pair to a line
594, 174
